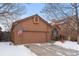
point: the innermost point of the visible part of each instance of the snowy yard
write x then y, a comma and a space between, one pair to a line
12, 50
68, 45
68, 48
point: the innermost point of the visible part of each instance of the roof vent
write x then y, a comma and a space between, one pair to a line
36, 20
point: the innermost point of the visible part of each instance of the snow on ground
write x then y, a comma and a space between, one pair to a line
42, 44
68, 44
12, 50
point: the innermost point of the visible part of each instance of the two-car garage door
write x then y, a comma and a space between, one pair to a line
33, 37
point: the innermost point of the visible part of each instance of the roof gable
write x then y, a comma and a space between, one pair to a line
31, 17
27, 18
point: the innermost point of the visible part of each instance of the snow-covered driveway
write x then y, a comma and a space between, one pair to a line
12, 50
55, 49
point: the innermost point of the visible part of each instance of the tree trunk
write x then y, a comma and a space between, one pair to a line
78, 39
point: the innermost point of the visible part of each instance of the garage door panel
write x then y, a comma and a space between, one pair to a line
34, 37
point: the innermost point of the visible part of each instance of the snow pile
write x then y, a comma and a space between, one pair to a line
12, 50
68, 45
38, 44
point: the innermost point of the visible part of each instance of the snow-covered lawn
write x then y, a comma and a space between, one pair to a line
12, 50
68, 45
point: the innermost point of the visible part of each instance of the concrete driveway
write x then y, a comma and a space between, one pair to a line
48, 49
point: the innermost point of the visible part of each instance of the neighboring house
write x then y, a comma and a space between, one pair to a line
67, 27
33, 29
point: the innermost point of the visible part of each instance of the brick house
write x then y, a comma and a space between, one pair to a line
67, 27
33, 29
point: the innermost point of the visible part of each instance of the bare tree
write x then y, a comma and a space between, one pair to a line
75, 5
9, 12
59, 11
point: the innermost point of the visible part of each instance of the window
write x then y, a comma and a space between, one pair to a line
36, 20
